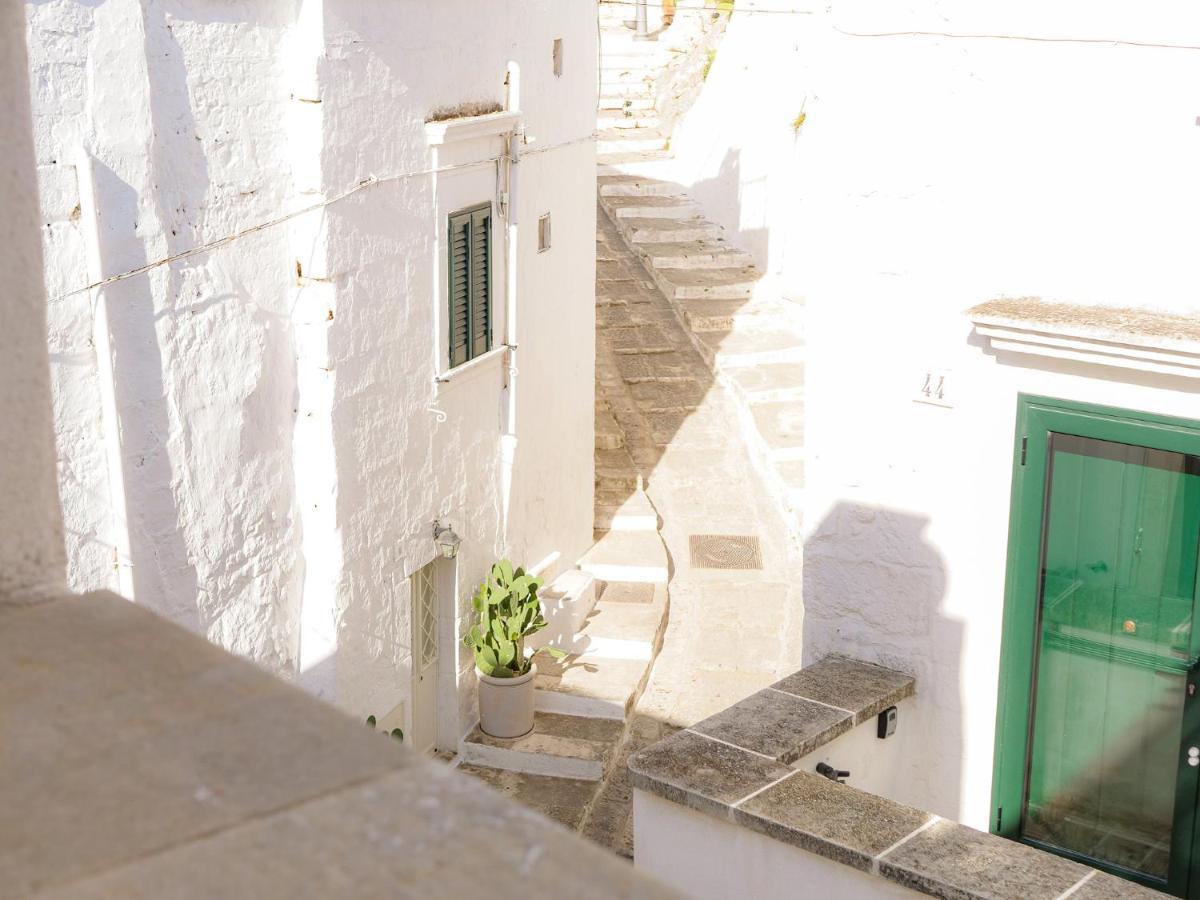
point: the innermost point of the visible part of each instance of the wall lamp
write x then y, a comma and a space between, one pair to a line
447, 541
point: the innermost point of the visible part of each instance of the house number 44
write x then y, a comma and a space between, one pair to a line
934, 387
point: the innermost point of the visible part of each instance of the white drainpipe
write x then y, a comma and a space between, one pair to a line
508, 441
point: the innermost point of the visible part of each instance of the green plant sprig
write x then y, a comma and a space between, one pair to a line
507, 611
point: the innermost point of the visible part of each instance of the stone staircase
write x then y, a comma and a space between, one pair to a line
752, 340
582, 700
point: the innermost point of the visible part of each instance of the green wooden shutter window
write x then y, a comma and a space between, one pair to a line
469, 284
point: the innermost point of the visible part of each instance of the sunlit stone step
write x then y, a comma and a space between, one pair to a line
563, 746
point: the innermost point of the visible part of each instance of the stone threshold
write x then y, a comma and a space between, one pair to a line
736, 767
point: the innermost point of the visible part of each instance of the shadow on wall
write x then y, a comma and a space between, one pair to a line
714, 195
163, 578
874, 589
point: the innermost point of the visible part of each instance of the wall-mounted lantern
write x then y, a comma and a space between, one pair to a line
447, 541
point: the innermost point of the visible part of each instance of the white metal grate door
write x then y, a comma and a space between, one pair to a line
424, 657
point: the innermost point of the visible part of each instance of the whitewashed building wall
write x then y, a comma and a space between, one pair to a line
256, 453
932, 173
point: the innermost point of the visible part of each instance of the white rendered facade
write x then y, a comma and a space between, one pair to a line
252, 440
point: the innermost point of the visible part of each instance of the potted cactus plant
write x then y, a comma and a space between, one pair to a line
507, 611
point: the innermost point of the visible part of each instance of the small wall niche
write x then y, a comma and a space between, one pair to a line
544, 233
558, 57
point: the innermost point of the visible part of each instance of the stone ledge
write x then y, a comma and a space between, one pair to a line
1145, 340
734, 766
466, 128
148, 762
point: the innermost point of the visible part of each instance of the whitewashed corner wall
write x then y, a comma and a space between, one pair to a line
932, 173
278, 458
32, 560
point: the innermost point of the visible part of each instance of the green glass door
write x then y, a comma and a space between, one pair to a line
1109, 526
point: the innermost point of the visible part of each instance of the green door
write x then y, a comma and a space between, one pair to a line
1098, 749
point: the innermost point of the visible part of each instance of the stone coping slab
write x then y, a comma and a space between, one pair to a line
735, 766
139, 760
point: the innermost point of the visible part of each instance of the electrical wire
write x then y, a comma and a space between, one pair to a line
741, 11
1112, 42
371, 181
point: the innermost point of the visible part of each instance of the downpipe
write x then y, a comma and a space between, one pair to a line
508, 439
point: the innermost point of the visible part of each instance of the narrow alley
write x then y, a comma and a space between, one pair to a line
698, 473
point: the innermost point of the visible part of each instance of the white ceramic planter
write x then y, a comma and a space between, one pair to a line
506, 704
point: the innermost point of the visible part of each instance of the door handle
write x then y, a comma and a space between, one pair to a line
1194, 756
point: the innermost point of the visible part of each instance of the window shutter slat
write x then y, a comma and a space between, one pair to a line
459, 289
481, 282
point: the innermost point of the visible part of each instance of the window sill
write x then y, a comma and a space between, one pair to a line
1125, 338
468, 370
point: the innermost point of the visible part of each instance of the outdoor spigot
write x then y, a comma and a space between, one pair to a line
838, 775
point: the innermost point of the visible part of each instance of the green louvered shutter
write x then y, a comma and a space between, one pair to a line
470, 284
459, 289
481, 282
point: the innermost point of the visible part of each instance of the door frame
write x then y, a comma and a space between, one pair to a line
417, 610
1036, 417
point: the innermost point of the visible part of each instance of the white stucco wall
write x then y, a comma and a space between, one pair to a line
180, 107
277, 456
705, 858
32, 561
933, 173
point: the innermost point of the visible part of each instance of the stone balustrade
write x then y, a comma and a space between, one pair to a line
730, 807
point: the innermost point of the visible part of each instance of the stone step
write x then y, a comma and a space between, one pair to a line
702, 254
616, 483
589, 686
634, 64
563, 800
634, 513
667, 396
630, 160
612, 654
609, 435
636, 186
635, 556
762, 342
618, 633
561, 746
616, 462
712, 315
625, 134
652, 230
707, 284
631, 613
627, 119
780, 424
626, 102
631, 92
625, 140
663, 367
768, 383
566, 603
639, 339
627, 84
654, 206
